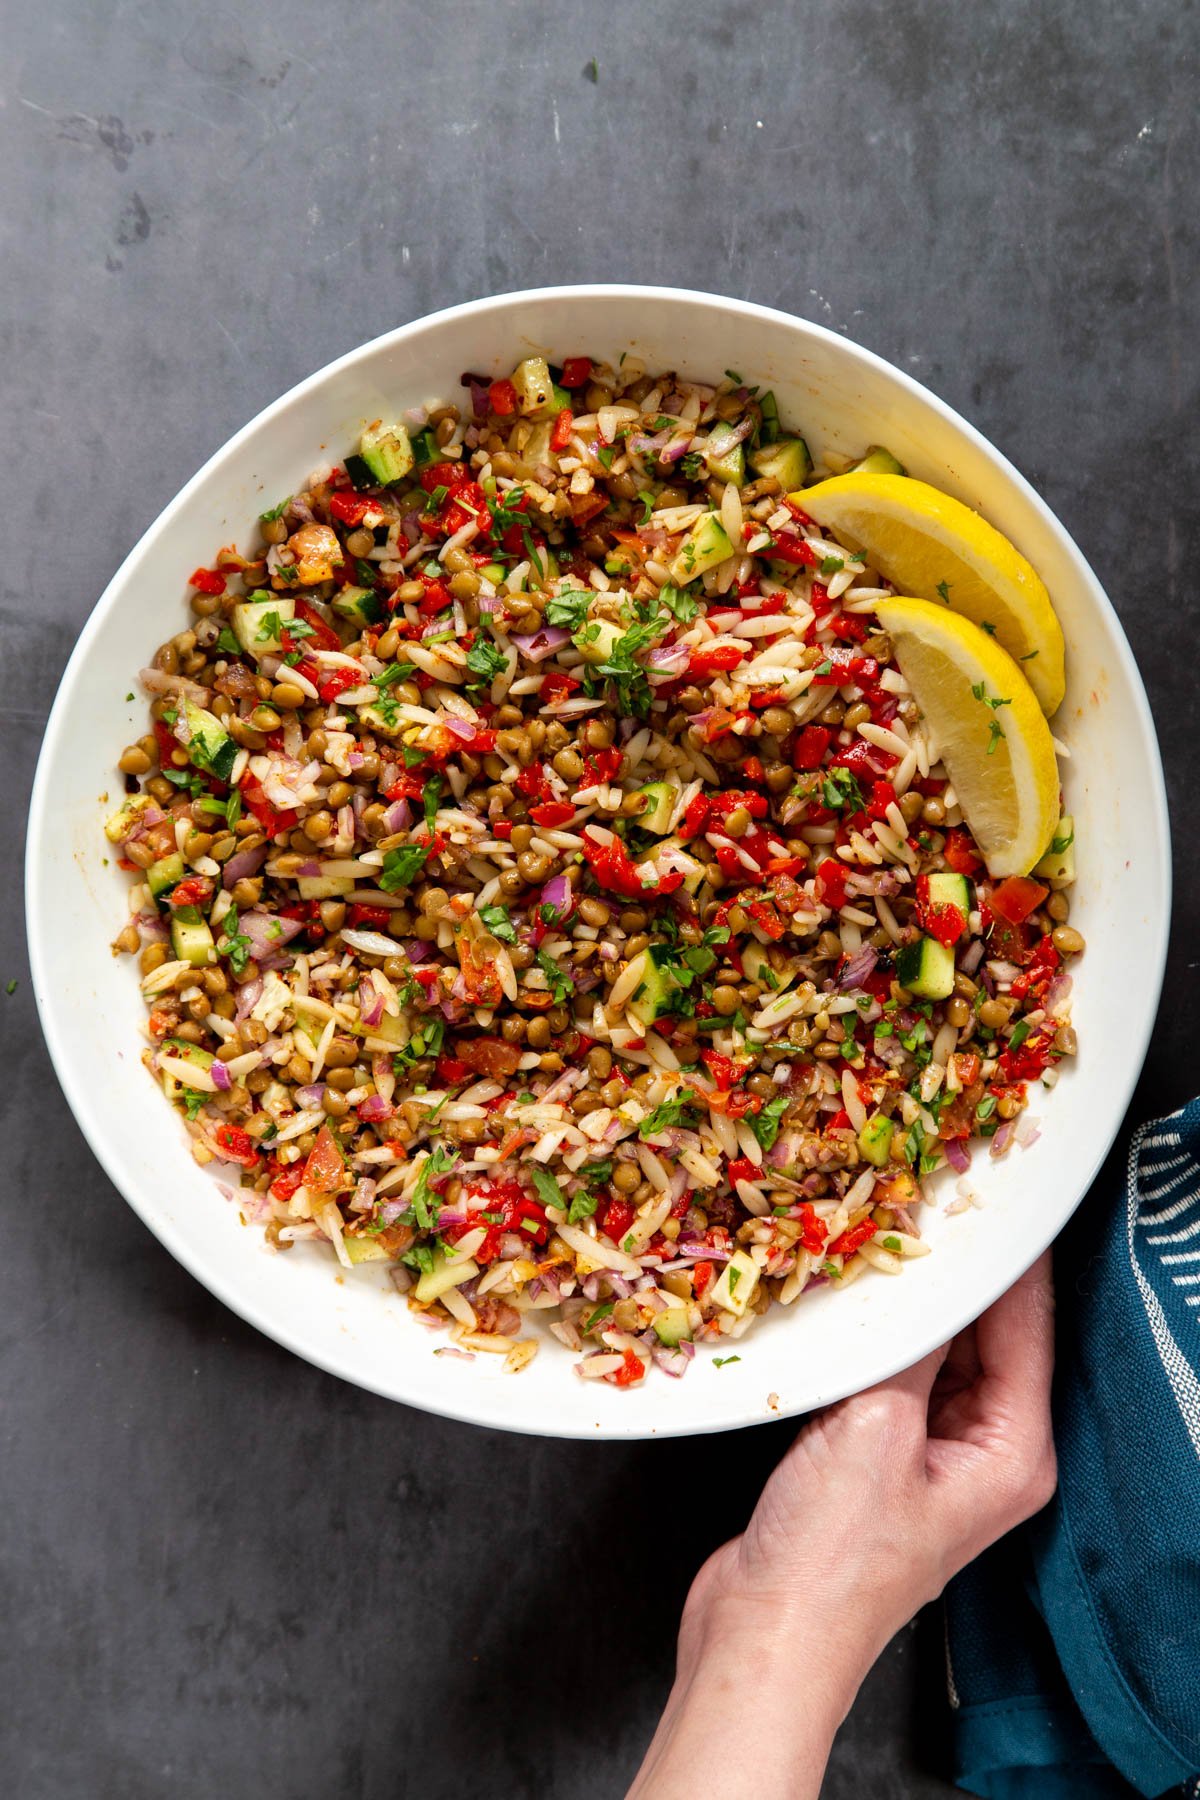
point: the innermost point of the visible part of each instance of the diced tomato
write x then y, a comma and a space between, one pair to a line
959, 852
378, 918
788, 547
236, 1145
489, 1055
883, 796
556, 686
502, 398
846, 625
742, 1169
632, 1370
766, 918
831, 882
966, 1068
192, 892
863, 759
695, 817
617, 1219
721, 805
208, 581
612, 868
452, 1069
852, 1240
841, 667
564, 425
752, 770
1028, 1060
349, 508
271, 820
575, 371
502, 828
809, 747
725, 1070
289, 1178
711, 657
1016, 898
1011, 943
325, 1170
1040, 972
436, 598
552, 812
534, 780
813, 1230
450, 475
337, 681
601, 765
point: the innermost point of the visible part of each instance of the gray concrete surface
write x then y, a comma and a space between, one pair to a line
222, 1572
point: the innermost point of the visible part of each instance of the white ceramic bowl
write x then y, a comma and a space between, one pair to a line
354, 1325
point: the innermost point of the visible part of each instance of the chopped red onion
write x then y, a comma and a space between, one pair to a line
645, 445
375, 1108
312, 1095
418, 951
370, 1001
249, 995
559, 894
244, 864
971, 957
222, 1080
536, 646
677, 447
669, 659
957, 1155
1003, 1137
480, 405
415, 417
860, 965
462, 728
398, 816
411, 525
267, 933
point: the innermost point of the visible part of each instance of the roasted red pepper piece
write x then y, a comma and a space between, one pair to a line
1016, 898
564, 425
349, 508
831, 882
551, 813
960, 853
712, 657
852, 1240
208, 581
809, 747
502, 398
575, 371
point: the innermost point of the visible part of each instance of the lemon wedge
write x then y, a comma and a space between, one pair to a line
925, 543
988, 728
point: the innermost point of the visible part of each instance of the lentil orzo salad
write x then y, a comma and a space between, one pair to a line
547, 884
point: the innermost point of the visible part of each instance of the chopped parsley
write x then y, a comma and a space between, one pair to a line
431, 799
832, 565
988, 627
496, 920
425, 1204
402, 865
234, 945
719, 1362
559, 981
568, 609
394, 672
734, 1276
225, 641
1059, 844
1020, 1032
193, 1100
668, 1115
943, 588
591, 72
485, 661
184, 778
548, 1190
840, 789
765, 1124
647, 500
420, 1257
11, 987
891, 1242
605, 455
427, 1040
678, 601
276, 512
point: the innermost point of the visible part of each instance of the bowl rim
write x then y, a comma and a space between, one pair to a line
474, 1405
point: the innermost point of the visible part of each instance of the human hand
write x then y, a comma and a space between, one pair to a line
877, 1504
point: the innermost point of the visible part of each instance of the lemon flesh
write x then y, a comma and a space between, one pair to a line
987, 728
927, 544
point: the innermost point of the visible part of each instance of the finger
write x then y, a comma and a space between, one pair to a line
1016, 1345
902, 1400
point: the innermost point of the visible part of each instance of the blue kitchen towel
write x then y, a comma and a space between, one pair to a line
1073, 1646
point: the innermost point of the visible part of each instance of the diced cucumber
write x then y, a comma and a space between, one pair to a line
531, 379
1058, 864
493, 572
657, 988
768, 406
385, 456
877, 461
537, 446
425, 450
164, 875
360, 605
191, 938
693, 871
443, 1275
182, 1051
706, 545
594, 641
926, 969
724, 455
325, 887
875, 1139
948, 889
786, 461
210, 746
381, 723
365, 1249
393, 1028
672, 1326
257, 623
659, 799
118, 827
734, 1289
